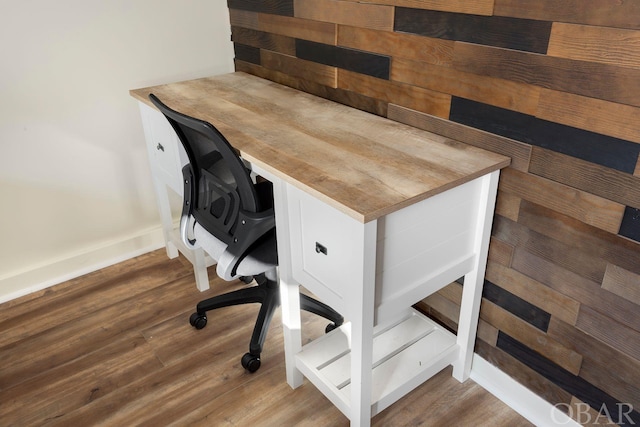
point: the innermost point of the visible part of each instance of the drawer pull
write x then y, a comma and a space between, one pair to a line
321, 249
160, 147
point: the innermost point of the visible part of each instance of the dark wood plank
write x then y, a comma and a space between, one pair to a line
523, 374
517, 151
247, 53
593, 147
366, 15
516, 305
609, 183
278, 7
630, 226
607, 13
349, 59
510, 33
573, 384
613, 83
263, 40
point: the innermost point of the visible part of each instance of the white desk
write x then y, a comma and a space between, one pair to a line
371, 215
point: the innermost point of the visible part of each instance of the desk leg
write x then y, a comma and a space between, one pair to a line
166, 219
362, 313
289, 288
474, 280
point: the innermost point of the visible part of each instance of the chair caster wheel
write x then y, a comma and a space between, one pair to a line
330, 327
250, 362
198, 320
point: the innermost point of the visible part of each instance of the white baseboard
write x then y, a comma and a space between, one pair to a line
519, 398
69, 267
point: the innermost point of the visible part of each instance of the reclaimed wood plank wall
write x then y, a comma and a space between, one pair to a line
554, 84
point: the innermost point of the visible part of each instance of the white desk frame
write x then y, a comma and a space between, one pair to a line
372, 271
368, 315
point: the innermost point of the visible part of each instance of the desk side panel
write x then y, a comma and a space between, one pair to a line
425, 247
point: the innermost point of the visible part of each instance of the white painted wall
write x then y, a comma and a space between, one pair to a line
75, 188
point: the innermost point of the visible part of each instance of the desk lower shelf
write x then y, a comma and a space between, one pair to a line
405, 354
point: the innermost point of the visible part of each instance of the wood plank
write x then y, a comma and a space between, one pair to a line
25, 359
321, 32
581, 205
367, 63
548, 299
607, 118
476, 7
337, 149
352, 99
399, 45
614, 83
112, 286
279, 7
605, 182
593, 147
588, 293
580, 236
622, 337
601, 377
308, 70
530, 336
523, 374
160, 371
573, 384
622, 282
83, 380
364, 15
244, 19
260, 39
595, 352
597, 44
424, 100
508, 205
517, 151
501, 93
511, 33
606, 13
500, 252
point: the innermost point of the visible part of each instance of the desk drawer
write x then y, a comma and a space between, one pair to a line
324, 247
163, 148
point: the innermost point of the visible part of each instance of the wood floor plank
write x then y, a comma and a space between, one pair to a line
135, 360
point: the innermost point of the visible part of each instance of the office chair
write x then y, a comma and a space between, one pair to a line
232, 219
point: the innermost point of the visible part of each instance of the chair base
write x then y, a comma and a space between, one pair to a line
267, 293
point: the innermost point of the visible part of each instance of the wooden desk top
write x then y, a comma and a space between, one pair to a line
362, 164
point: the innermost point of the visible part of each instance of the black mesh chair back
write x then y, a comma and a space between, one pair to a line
233, 220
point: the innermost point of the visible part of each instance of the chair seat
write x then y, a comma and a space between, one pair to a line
263, 257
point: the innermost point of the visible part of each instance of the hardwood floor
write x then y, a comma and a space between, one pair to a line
115, 347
